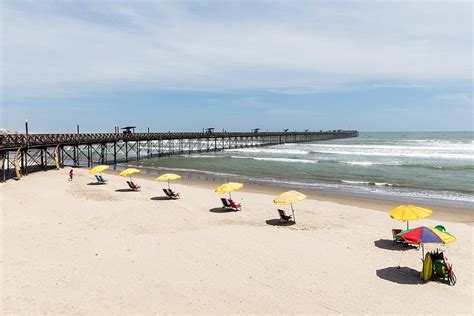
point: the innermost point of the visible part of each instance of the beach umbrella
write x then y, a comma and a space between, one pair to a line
168, 177
128, 172
409, 213
426, 235
98, 169
289, 197
229, 187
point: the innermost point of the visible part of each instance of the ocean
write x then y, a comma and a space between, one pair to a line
427, 167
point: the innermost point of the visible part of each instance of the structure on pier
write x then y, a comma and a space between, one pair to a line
24, 153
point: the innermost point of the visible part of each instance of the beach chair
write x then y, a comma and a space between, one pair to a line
283, 216
234, 206
231, 204
225, 203
395, 239
99, 179
171, 194
442, 270
133, 186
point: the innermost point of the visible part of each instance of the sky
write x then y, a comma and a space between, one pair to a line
236, 65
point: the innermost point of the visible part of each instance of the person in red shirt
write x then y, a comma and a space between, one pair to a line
71, 174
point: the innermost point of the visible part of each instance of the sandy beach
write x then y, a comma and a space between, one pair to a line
78, 248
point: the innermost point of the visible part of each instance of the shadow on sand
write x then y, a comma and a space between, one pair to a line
400, 275
161, 198
388, 244
96, 183
277, 222
222, 210
125, 190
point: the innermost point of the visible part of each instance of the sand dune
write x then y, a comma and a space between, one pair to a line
70, 247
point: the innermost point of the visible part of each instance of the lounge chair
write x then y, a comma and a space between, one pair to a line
171, 194
231, 204
225, 203
283, 216
133, 186
396, 231
100, 179
234, 206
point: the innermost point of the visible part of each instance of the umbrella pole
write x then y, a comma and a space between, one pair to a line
293, 211
230, 196
407, 225
169, 185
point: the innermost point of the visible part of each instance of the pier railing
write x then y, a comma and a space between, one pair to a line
12, 141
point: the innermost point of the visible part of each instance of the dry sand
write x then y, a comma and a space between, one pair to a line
70, 247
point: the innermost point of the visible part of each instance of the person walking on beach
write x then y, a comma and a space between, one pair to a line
71, 174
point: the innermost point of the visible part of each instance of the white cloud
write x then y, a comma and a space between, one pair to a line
54, 49
457, 98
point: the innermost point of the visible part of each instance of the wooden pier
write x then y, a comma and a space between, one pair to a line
24, 153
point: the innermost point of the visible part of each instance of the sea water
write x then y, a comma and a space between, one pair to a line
431, 167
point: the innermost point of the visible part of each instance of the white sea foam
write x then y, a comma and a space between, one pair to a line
360, 163
286, 160
354, 182
270, 151
371, 163
367, 183
201, 156
399, 154
451, 146
276, 159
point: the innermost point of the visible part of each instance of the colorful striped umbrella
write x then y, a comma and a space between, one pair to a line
426, 235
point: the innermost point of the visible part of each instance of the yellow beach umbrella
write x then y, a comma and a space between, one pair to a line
98, 169
229, 187
128, 172
289, 197
409, 213
168, 177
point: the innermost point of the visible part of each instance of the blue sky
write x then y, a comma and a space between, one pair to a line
185, 65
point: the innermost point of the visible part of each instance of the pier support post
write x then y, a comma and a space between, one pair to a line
89, 155
138, 149
115, 152
126, 151
42, 158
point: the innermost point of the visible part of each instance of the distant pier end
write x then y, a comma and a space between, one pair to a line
24, 153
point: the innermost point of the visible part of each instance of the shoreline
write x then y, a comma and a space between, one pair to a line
358, 192
442, 213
